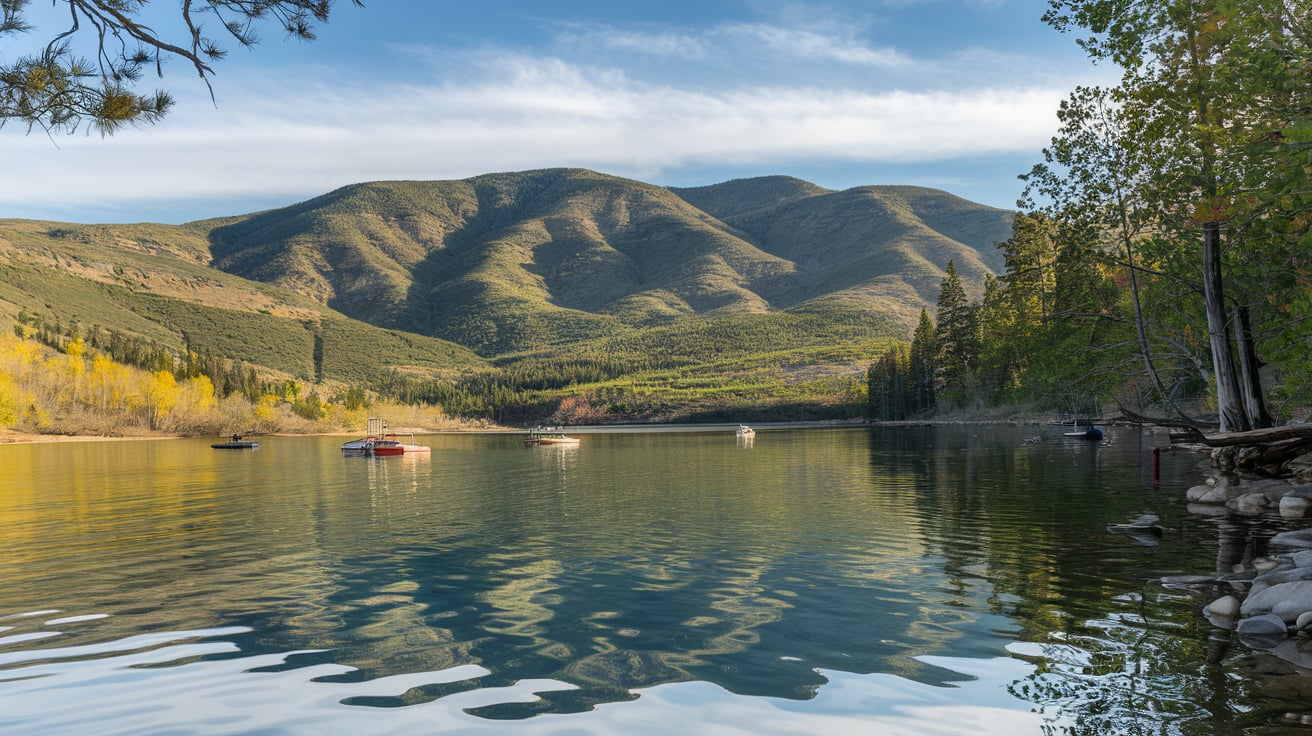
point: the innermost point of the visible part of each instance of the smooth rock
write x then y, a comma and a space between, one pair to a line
1294, 507
1287, 574
1216, 492
1249, 504
1304, 621
1265, 564
1286, 600
1297, 539
1273, 488
1302, 559
1225, 607
1262, 632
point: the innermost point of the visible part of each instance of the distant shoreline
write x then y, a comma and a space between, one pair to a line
10, 437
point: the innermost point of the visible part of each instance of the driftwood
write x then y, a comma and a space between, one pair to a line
1189, 425
1259, 436
1263, 450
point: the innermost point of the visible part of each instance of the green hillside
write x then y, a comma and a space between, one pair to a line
533, 285
526, 261
110, 277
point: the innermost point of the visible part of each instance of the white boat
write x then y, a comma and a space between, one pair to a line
378, 442
745, 432
1092, 433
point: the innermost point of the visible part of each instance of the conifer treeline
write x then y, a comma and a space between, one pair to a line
1048, 334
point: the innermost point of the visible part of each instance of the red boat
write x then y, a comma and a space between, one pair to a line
378, 442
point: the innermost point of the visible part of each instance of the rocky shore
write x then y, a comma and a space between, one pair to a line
1264, 581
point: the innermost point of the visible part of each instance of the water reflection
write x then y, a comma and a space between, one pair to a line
199, 681
819, 572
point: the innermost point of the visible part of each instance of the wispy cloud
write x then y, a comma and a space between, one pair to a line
801, 43
656, 42
531, 113
749, 43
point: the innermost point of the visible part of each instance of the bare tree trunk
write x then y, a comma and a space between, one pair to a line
1250, 377
1229, 405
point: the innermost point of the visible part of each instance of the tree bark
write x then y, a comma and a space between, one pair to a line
1229, 404
1250, 376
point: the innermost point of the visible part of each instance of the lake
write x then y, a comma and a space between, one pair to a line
908, 580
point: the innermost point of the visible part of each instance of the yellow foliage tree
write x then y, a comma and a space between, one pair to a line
9, 400
160, 395
108, 385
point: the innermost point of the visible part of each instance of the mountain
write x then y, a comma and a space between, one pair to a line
152, 282
766, 276
526, 261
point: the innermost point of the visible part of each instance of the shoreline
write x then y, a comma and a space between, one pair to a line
13, 437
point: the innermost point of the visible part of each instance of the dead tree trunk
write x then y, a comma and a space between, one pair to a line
1229, 405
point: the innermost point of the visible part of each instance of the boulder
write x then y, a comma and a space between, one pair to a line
1249, 504
1273, 488
1266, 564
1298, 539
1294, 507
1226, 606
1284, 574
1285, 600
1304, 621
1302, 559
1262, 632
1217, 494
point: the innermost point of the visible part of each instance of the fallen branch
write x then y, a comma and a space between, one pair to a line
1259, 436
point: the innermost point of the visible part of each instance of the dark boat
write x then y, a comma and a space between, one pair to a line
237, 443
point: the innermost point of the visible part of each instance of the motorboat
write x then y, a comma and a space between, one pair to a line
378, 442
1088, 433
745, 432
549, 436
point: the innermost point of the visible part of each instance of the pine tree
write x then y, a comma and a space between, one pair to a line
920, 365
958, 339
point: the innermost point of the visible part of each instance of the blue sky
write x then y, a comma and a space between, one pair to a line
954, 94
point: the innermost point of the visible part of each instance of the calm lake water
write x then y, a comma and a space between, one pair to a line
872, 581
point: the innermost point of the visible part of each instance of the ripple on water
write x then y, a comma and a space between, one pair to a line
190, 681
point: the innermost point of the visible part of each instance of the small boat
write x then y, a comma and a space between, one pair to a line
237, 443
1091, 433
549, 436
378, 442
745, 432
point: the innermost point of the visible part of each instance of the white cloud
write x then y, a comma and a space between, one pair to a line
803, 43
661, 43
749, 43
284, 144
